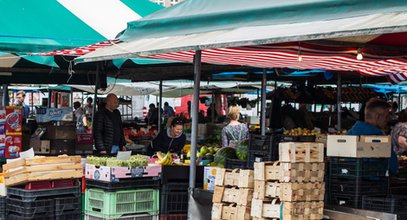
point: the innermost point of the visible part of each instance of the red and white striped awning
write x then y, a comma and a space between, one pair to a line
393, 65
79, 51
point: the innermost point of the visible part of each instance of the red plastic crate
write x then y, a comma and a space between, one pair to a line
174, 217
38, 185
83, 183
63, 183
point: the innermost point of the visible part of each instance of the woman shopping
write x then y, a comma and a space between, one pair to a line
234, 132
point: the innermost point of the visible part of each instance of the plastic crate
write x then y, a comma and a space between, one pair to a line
358, 186
385, 203
19, 217
130, 217
351, 201
105, 204
358, 167
67, 204
49, 184
260, 142
176, 174
258, 156
174, 217
34, 209
3, 207
174, 198
31, 195
235, 164
124, 184
73, 215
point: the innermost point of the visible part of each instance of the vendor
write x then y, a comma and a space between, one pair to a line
377, 116
171, 139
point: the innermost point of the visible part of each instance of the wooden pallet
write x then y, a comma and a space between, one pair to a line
236, 177
42, 168
289, 172
287, 210
242, 196
301, 152
289, 191
223, 211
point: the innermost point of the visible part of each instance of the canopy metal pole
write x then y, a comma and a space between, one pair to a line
194, 126
257, 105
338, 98
96, 93
160, 103
263, 104
6, 98
399, 102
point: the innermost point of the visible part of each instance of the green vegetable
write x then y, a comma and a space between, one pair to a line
242, 150
133, 161
222, 154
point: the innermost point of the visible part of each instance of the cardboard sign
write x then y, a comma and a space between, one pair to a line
55, 114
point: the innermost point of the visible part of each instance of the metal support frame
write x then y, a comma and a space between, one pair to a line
338, 104
96, 93
194, 126
263, 103
160, 104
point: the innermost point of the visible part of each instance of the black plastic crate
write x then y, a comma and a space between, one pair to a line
34, 209
182, 186
175, 174
351, 201
126, 183
3, 207
73, 215
396, 204
235, 164
358, 186
65, 205
13, 216
173, 202
260, 142
358, 167
258, 156
31, 195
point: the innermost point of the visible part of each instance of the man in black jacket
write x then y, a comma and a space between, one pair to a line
108, 127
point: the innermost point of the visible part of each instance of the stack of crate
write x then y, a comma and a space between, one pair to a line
292, 188
233, 194
358, 166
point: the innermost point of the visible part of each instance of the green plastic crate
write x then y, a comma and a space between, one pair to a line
123, 202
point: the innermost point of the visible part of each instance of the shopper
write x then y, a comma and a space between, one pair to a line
234, 132
80, 117
108, 127
171, 139
168, 111
89, 107
152, 115
377, 116
20, 97
399, 134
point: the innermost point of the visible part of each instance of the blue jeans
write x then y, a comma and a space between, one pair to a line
115, 149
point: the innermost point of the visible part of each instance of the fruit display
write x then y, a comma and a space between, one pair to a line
166, 159
222, 154
301, 132
133, 161
242, 150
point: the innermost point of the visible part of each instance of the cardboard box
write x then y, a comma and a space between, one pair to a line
359, 146
13, 120
114, 174
13, 146
209, 178
40, 146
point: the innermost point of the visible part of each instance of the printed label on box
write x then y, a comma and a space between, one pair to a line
209, 178
13, 146
13, 119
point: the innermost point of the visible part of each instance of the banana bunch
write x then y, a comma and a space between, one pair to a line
164, 160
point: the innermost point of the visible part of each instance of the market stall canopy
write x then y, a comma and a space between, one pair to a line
272, 34
39, 26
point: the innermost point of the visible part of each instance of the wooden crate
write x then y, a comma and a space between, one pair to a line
289, 172
263, 190
358, 146
242, 196
42, 168
289, 192
236, 177
290, 210
301, 152
222, 211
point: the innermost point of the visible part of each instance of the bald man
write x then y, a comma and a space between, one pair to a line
377, 117
108, 127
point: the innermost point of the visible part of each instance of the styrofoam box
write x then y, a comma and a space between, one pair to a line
359, 146
113, 174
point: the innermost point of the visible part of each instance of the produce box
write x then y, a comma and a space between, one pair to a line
294, 152
242, 196
230, 212
209, 178
114, 174
358, 146
289, 192
42, 168
239, 178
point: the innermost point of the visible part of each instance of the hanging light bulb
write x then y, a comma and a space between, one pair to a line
299, 55
359, 55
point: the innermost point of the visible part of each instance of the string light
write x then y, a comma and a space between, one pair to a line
359, 55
